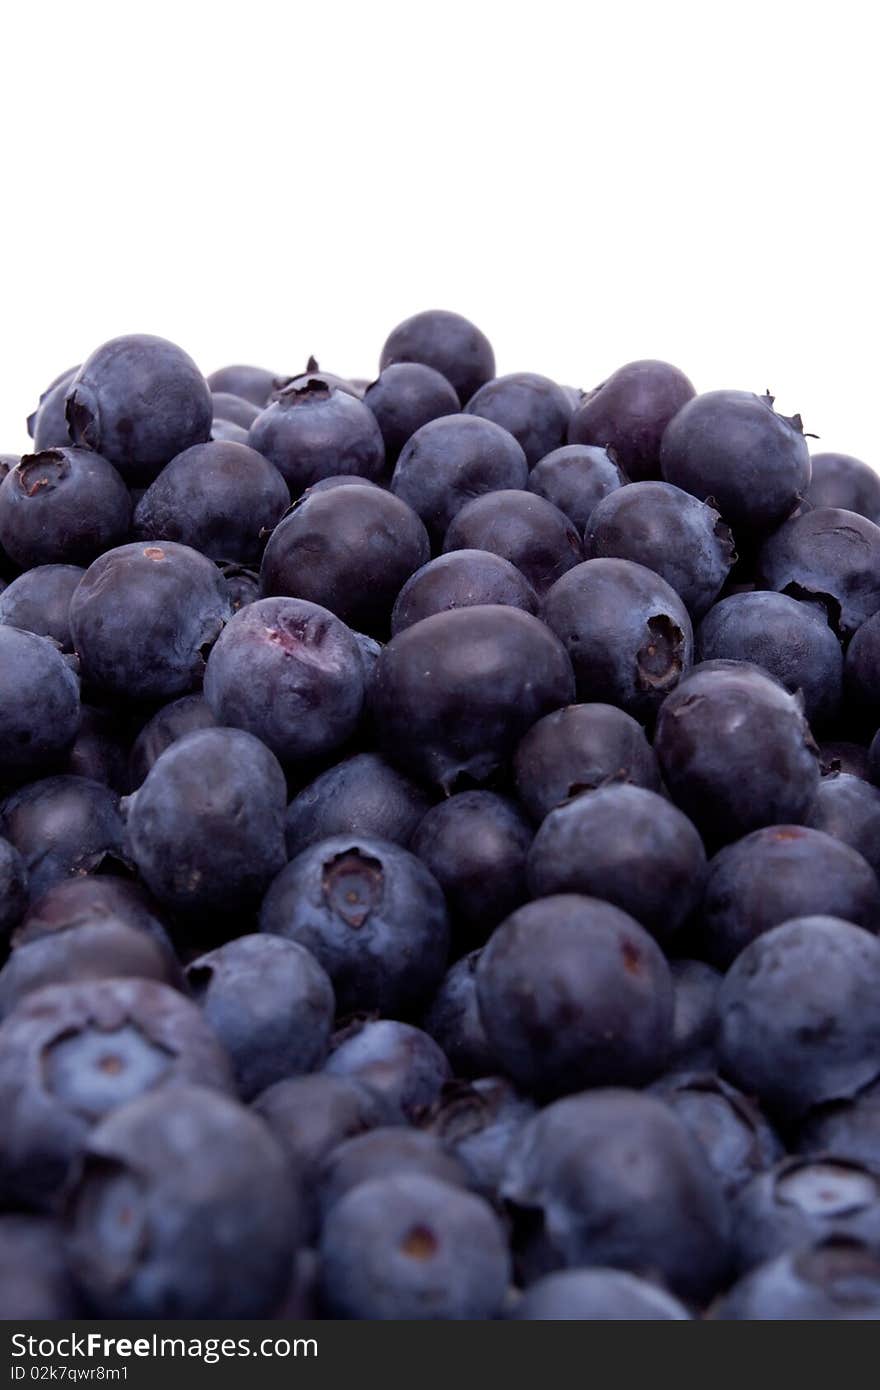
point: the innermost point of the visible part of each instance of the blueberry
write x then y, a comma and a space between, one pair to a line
168, 724
800, 1015
734, 448
72, 1053
861, 671
668, 531
139, 401
101, 748
310, 1115
449, 461
448, 343
227, 432
523, 528
76, 902
626, 630
848, 1129
350, 549
573, 993
803, 1200
830, 556
13, 888
236, 409
461, 579
453, 694
252, 384
785, 637
206, 829
839, 480
62, 506
399, 1061
737, 1140
838, 755
35, 1284
578, 749
270, 1004
479, 1122
47, 426
63, 827
627, 846
575, 478
312, 429
874, 760
183, 1208
218, 498
242, 584
834, 1280
695, 1016
381, 1153
361, 795
144, 618
475, 844
598, 1295
614, 1178
848, 808
405, 396
532, 408
735, 751
34, 732
409, 1247
289, 672
629, 412
39, 601
777, 873
453, 1020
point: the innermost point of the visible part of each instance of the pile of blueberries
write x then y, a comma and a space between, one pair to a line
440, 847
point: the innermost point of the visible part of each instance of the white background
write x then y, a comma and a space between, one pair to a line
589, 183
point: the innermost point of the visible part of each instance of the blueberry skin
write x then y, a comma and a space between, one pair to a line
447, 342
834, 1280
13, 888
289, 672
271, 1005
735, 751
803, 1200
831, 556
837, 755
800, 1015
77, 902
227, 432
578, 749
139, 401
839, 480
399, 1061
35, 1284
479, 1122
449, 461
31, 732
461, 579
373, 916
737, 1140
236, 409
789, 639
39, 601
777, 873
848, 1129
575, 478
62, 506
168, 724
72, 1053
597, 1295
254, 384
405, 396
732, 447
453, 1020
183, 1208
874, 760
630, 411
47, 426
143, 618
407, 1247
382, 1153
63, 827
362, 795
626, 630
218, 498
350, 549
453, 694
862, 671
574, 993
312, 429
310, 1115
627, 846
100, 749
525, 529
848, 808
242, 584
668, 531
206, 829
613, 1177
531, 407
695, 1018
475, 845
